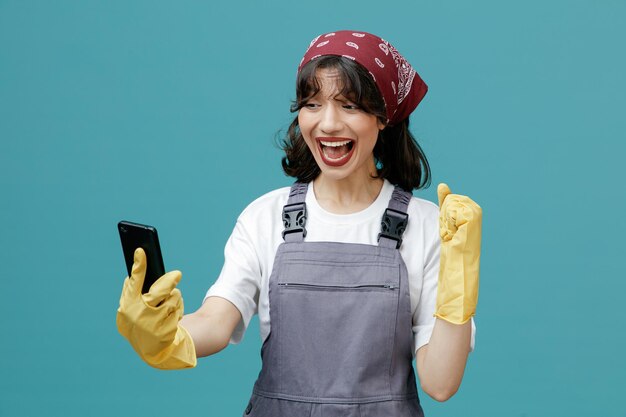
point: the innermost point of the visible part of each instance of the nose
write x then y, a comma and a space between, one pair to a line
330, 119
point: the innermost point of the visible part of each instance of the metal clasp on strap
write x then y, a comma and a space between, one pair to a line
294, 219
393, 225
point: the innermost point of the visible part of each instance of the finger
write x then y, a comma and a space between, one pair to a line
464, 209
173, 307
174, 304
447, 223
126, 293
138, 272
161, 289
180, 305
442, 191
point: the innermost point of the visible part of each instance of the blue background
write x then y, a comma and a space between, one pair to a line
167, 112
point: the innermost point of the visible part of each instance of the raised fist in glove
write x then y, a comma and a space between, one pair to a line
150, 321
460, 230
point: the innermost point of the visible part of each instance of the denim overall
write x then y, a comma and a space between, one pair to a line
340, 343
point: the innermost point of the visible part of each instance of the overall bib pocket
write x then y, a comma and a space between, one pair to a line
350, 355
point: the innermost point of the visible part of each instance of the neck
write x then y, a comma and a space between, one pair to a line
347, 195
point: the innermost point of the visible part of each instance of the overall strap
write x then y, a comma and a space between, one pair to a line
294, 213
395, 219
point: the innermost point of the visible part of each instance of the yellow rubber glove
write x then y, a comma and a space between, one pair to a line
460, 229
150, 321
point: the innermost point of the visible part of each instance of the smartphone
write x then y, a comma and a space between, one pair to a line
135, 235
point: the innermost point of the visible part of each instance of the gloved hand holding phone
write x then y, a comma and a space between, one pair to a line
460, 221
150, 321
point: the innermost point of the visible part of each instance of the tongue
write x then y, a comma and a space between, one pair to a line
335, 152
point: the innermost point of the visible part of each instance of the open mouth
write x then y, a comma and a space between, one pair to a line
336, 151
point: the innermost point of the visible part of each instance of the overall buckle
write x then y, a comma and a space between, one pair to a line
393, 225
294, 219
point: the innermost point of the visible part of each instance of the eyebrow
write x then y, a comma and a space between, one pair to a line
340, 97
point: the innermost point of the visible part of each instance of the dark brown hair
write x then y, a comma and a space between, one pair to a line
398, 156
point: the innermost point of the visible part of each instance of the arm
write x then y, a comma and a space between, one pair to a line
440, 363
232, 299
212, 325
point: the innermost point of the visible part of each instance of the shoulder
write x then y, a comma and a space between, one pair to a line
267, 205
423, 208
418, 207
423, 217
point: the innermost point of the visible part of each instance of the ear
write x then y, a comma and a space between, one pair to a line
381, 125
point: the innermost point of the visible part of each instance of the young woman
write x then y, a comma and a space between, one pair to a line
352, 277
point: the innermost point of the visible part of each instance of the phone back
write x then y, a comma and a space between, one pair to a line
136, 235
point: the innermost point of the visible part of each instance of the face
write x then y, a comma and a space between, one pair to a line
339, 134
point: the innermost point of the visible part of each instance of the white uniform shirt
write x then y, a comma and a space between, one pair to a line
250, 251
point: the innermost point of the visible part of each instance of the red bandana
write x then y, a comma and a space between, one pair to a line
401, 87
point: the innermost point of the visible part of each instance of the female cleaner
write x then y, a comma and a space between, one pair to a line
352, 277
